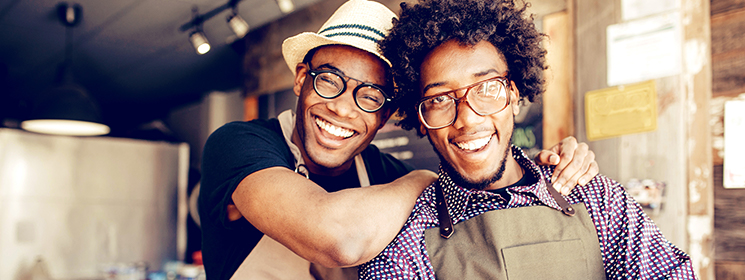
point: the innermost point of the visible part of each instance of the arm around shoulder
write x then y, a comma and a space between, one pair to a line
343, 228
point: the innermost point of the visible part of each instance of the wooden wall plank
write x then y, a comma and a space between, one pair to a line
727, 31
723, 6
728, 52
591, 20
729, 221
730, 270
558, 100
728, 81
728, 73
688, 221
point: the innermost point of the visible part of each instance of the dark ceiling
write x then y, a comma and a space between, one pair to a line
129, 55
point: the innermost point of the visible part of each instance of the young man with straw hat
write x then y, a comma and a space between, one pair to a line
280, 194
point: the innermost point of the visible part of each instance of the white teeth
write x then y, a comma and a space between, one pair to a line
334, 130
474, 144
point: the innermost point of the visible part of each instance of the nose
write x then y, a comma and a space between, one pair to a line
466, 117
344, 105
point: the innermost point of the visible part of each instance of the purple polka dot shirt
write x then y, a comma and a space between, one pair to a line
631, 245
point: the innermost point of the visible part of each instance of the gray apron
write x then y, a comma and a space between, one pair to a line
272, 260
536, 242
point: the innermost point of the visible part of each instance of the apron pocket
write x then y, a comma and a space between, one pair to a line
549, 260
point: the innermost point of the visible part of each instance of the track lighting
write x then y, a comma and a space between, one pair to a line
199, 41
237, 24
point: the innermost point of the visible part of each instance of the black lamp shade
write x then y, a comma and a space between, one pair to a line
66, 106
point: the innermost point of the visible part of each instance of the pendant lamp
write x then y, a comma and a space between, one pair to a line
66, 108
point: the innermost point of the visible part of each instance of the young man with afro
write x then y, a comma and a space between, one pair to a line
462, 67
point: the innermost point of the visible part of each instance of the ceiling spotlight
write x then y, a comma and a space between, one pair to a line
199, 41
237, 24
286, 6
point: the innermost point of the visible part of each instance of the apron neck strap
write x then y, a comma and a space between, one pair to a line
446, 223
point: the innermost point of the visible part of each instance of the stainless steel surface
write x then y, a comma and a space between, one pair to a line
82, 203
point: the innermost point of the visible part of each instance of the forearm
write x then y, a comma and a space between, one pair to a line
333, 229
371, 217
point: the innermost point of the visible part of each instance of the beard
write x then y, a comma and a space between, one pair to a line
462, 181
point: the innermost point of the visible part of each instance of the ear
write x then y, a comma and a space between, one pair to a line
514, 98
301, 72
385, 114
423, 129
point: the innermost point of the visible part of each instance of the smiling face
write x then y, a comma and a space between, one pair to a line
476, 148
330, 132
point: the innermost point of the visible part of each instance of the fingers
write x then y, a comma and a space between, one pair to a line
551, 156
567, 150
546, 157
574, 179
576, 164
591, 172
572, 175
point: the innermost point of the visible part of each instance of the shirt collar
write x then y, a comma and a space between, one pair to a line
457, 197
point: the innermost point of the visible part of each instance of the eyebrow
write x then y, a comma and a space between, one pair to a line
475, 75
332, 68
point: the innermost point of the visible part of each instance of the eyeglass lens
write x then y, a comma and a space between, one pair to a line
330, 85
485, 98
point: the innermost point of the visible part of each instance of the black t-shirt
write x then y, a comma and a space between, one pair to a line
527, 180
238, 149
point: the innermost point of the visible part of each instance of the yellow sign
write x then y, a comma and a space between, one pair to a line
620, 110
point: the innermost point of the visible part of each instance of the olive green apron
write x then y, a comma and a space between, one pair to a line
536, 242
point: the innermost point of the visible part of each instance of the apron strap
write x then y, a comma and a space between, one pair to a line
565, 207
446, 223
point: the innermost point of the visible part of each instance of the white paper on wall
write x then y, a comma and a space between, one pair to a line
632, 9
734, 144
644, 49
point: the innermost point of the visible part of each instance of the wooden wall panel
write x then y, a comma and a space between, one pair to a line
682, 132
728, 82
591, 20
729, 221
728, 51
727, 31
723, 6
730, 270
558, 100
728, 77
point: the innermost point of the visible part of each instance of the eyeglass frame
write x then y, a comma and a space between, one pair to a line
314, 74
501, 79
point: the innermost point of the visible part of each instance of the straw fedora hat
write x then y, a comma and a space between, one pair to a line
357, 23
